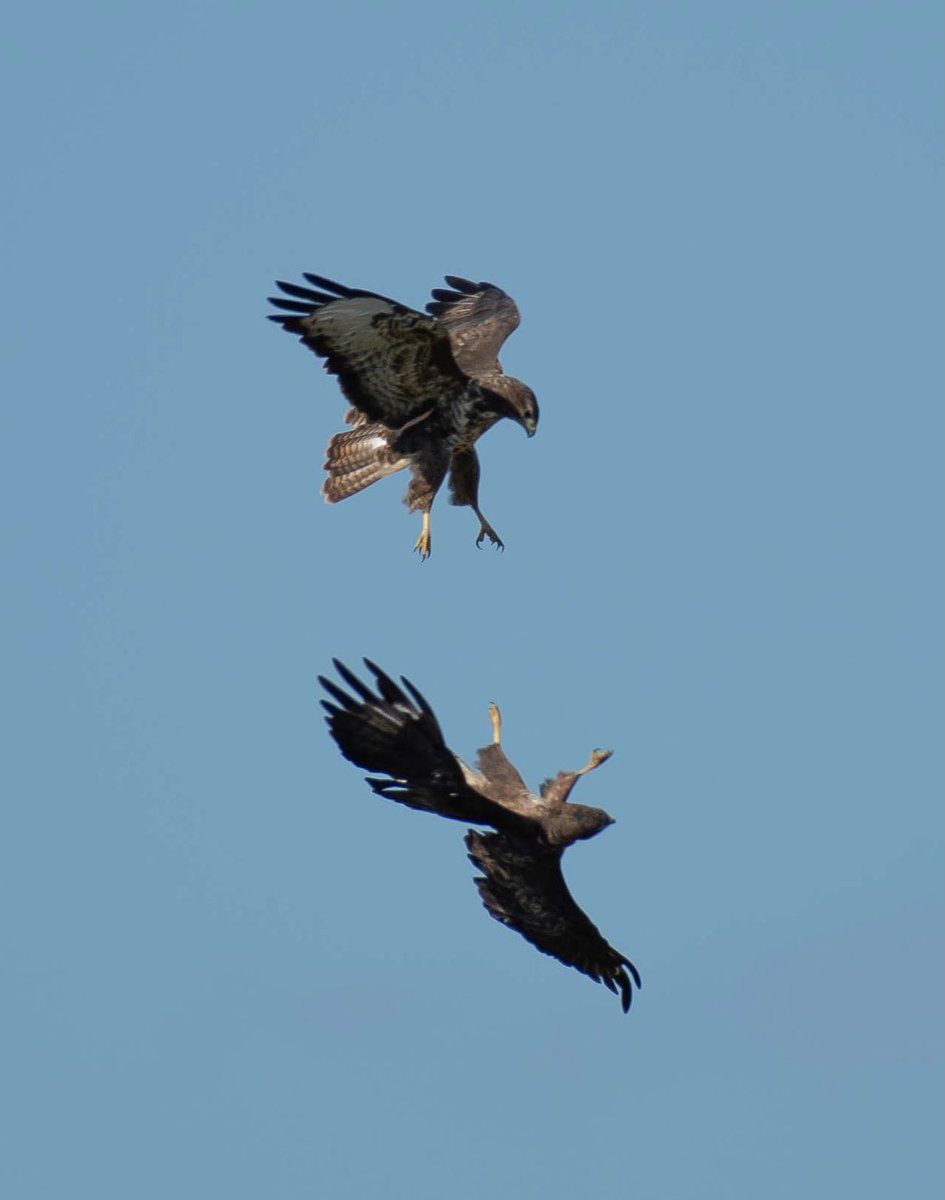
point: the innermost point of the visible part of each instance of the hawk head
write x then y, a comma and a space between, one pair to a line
508, 397
575, 823
587, 821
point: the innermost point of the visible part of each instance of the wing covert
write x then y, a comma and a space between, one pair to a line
501, 773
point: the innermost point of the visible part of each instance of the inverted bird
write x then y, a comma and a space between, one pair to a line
424, 386
393, 730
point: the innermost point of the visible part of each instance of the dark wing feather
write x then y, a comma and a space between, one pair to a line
523, 887
397, 734
393, 363
492, 762
479, 317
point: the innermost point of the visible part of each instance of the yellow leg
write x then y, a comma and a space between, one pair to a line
496, 719
422, 544
597, 757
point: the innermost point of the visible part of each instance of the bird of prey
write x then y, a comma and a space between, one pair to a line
424, 386
393, 731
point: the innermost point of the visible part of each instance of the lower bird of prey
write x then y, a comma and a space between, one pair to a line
394, 731
424, 386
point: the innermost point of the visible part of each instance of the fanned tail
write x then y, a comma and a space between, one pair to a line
357, 458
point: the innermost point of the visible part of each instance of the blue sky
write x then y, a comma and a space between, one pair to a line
234, 970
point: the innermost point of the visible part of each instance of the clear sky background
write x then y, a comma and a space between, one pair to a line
230, 969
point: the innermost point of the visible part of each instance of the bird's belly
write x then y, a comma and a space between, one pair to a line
470, 431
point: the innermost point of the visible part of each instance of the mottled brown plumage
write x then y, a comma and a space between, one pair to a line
424, 386
394, 731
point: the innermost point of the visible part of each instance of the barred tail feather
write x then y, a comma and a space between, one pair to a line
356, 459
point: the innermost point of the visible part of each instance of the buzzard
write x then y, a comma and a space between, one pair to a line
424, 386
394, 731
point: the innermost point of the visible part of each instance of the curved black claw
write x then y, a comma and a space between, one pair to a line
486, 531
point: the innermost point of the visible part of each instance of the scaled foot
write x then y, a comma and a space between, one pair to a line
424, 541
495, 719
597, 757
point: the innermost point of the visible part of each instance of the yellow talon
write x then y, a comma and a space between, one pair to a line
422, 544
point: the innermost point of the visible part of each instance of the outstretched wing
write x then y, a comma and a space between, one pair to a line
479, 317
397, 734
523, 887
393, 364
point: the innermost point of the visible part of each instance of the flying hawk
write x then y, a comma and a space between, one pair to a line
424, 388
522, 886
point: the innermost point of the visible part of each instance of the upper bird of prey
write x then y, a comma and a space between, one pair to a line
395, 732
424, 387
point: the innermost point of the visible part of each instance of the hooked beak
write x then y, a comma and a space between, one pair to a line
530, 425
